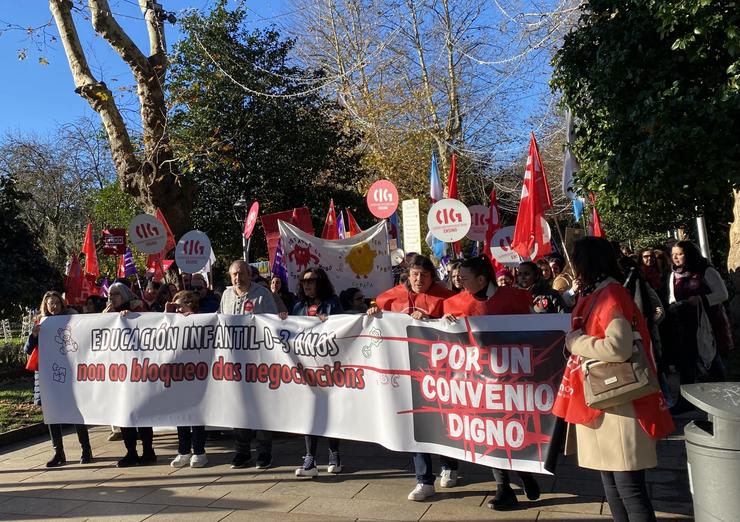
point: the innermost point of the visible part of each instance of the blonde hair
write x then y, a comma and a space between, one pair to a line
43, 310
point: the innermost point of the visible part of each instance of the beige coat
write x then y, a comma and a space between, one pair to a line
614, 441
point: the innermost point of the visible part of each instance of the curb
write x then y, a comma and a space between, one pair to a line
22, 434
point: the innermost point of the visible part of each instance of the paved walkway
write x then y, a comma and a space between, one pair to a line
374, 487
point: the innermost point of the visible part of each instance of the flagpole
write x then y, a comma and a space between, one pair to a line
562, 241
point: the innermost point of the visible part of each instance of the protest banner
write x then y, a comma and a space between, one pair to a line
300, 217
480, 389
114, 241
411, 225
361, 261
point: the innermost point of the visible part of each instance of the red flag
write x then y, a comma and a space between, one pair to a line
594, 228
330, 225
73, 281
352, 227
534, 201
493, 224
154, 262
170, 237
452, 193
91, 257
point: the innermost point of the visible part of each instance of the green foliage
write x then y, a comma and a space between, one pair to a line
654, 85
16, 404
26, 272
241, 126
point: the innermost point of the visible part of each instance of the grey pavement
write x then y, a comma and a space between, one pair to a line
373, 486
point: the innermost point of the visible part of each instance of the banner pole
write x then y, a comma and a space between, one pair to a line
562, 241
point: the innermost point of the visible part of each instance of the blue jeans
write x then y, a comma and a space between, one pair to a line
424, 470
191, 436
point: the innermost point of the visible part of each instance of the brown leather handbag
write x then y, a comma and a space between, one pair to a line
609, 384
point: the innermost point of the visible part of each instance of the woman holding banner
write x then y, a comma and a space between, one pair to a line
618, 441
53, 304
316, 298
122, 300
421, 297
483, 297
191, 440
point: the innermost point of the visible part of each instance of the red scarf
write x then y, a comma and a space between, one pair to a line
612, 301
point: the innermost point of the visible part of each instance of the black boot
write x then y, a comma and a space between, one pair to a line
148, 457
55, 430
84, 439
129, 440
530, 485
505, 498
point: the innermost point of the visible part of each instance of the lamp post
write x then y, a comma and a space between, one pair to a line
240, 213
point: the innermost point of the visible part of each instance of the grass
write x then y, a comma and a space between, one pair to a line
16, 404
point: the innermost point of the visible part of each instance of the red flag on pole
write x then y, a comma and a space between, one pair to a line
452, 193
352, 227
594, 228
154, 262
171, 243
534, 201
493, 225
330, 225
73, 281
91, 257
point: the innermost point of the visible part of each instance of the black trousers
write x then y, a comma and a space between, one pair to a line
243, 442
191, 437
627, 495
55, 430
502, 476
131, 434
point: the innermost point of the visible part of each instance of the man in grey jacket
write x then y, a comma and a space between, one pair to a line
245, 297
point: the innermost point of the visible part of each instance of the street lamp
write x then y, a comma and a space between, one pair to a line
240, 213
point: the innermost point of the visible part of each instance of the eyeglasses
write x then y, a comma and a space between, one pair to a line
359, 298
648, 256
309, 280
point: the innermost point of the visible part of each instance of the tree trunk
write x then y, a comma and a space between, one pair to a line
152, 177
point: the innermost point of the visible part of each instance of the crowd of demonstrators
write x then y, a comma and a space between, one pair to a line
677, 308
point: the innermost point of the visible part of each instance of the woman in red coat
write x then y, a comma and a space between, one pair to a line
421, 297
481, 296
618, 441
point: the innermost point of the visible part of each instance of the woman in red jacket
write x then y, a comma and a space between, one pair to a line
481, 296
618, 441
421, 297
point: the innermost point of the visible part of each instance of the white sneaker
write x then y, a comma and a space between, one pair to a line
309, 468
421, 492
198, 461
181, 461
448, 478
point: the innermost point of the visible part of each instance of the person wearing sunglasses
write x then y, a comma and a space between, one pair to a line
208, 302
316, 298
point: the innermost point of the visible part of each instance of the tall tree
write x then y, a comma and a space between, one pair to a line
146, 170
26, 272
655, 88
242, 125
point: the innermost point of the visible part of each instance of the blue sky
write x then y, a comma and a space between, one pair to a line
37, 98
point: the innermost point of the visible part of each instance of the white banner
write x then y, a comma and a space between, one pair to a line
479, 390
411, 225
361, 261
